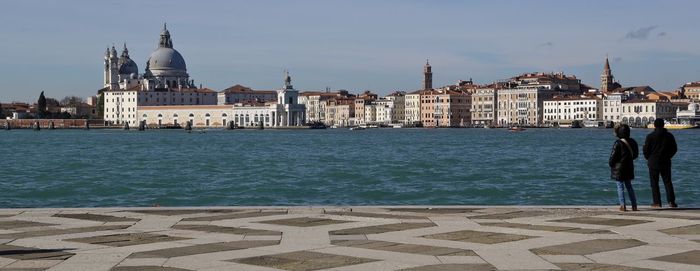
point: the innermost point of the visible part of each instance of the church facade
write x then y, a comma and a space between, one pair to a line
165, 95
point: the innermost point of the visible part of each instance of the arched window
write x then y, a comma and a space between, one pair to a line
160, 116
207, 115
191, 115
224, 115
175, 115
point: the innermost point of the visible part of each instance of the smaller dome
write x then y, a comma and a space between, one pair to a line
128, 67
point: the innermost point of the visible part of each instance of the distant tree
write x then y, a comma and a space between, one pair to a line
100, 104
71, 101
41, 104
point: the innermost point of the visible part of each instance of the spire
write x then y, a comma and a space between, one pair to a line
125, 51
427, 62
113, 52
165, 40
607, 63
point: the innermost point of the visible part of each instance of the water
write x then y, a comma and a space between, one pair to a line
77, 168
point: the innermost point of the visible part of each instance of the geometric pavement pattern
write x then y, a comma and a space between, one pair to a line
343, 238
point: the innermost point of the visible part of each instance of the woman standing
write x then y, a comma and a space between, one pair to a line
621, 162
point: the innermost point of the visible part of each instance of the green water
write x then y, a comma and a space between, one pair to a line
77, 168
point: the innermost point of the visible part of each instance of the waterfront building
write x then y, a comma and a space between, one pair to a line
340, 112
384, 111
412, 114
285, 110
612, 107
396, 104
242, 94
121, 106
484, 104
445, 108
692, 91
361, 101
640, 113
689, 116
315, 103
522, 102
565, 110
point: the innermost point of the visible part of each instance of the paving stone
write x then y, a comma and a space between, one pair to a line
303, 261
690, 257
172, 212
32, 264
97, 217
435, 210
453, 267
686, 230
202, 249
480, 237
375, 215
27, 253
382, 228
546, 228
52, 232
235, 216
658, 215
22, 269
227, 230
126, 239
602, 221
598, 267
304, 222
588, 247
405, 248
16, 224
510, 215
146, 268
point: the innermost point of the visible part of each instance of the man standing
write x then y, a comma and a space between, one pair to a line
659, 148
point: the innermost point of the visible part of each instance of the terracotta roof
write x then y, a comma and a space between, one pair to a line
636, 89
571, 98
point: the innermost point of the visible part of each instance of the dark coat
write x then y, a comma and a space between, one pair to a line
621, 160
659, 148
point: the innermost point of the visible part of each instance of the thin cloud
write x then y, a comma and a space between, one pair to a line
641, 33
661, 34
547, 44
617, 59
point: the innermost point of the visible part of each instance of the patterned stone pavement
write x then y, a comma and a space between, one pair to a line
413, 238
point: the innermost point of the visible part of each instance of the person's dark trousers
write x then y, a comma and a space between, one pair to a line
665, 173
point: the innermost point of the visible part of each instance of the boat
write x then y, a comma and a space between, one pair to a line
576, 124
356, 128
334, 126
675, 126
398, 125
516, 129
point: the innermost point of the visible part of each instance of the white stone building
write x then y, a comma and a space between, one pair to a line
412, 106
612, 107
565, 110
484, 102
640, 113
284, 111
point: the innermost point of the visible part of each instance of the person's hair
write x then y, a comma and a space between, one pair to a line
659, 123
622, 130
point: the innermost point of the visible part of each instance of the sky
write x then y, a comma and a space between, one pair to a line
58, 46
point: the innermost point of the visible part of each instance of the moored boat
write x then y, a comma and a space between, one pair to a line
675, 126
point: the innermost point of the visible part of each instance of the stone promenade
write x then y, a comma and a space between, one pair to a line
349, 238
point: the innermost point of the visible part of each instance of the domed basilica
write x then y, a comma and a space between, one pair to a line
165, 68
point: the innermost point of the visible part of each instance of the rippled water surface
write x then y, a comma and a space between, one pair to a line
76, 168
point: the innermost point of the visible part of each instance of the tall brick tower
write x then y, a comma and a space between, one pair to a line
607, 80
427, 76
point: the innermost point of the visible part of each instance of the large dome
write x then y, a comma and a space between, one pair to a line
167, 61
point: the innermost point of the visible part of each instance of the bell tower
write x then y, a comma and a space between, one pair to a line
607, 80
427, 76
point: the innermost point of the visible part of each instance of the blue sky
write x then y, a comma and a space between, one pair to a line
57, 46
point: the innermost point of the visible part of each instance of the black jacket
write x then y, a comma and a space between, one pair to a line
659, 148
621, 160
